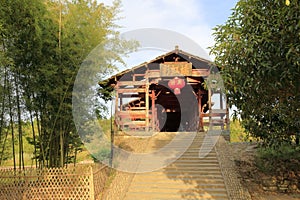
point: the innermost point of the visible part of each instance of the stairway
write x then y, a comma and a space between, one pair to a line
189, 177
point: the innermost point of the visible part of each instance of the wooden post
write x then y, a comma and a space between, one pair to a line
200, 110
121, 102
153, 110
112, 138
147, 103
92, 192
209, 109
221, 100
117, 100
227, 118
116, 107
221, 107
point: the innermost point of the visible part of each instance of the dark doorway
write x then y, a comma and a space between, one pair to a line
176, 112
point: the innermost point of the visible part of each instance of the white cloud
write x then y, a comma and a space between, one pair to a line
188, 17
184, 17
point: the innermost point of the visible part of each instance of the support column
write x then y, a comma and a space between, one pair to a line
116, 107
200, 110
221, 107
209, 109
221, 100
227, 118
153, 110
117, 99
147, 103
121, 102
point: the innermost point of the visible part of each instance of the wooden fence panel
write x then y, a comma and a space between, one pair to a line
80, 182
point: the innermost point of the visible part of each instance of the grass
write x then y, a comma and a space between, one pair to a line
237, 134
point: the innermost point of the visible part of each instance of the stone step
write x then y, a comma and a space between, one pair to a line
178, 184
180, 149
203, 160
190, 172
210, 157
181, 165
191, 169
178, 140
189, 177
196, 152
168, 182
181, 146
174, 190
195, 177
178, 173
188, 166
167, 140
183, 158
180, 195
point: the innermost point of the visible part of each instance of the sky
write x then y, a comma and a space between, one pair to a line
192, 18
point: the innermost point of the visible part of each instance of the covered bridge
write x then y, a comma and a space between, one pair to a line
167, 94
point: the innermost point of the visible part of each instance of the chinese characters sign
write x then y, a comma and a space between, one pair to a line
176, 69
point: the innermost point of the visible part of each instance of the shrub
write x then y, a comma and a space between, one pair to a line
282, 158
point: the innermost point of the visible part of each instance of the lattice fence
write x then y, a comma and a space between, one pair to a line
80, 182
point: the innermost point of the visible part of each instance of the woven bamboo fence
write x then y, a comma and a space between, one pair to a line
80, 182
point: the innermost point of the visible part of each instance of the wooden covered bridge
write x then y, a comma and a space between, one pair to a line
167, 94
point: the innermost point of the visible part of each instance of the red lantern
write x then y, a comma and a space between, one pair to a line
176, 84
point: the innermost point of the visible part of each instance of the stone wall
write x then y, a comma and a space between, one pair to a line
287, 183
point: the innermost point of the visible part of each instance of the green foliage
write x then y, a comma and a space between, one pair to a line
283, 157
101, 155
28, 148
258, 50
237, 132
42, 46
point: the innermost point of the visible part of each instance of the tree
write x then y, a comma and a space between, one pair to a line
43, 44
20, 44
258, 50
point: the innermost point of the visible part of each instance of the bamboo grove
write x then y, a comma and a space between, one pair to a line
42, 44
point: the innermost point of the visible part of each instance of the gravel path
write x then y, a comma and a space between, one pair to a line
235, 189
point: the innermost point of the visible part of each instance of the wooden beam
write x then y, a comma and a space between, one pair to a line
221, 111
191, 80
213, 114
130, 95
138, 108
136, 75
133, 114
136, 123
131, 83
154, 74
215, 122
200, 72
131, 90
